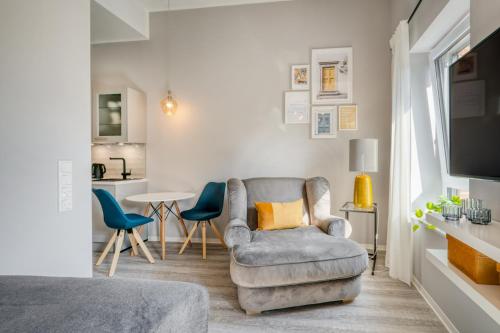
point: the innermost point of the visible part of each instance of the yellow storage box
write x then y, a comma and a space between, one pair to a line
480, 268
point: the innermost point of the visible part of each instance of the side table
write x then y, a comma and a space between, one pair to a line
349, 207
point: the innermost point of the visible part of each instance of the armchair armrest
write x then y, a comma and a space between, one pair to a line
335, 226
237, 232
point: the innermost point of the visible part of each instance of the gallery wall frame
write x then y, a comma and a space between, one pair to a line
324, 122
331, 76
300, 77
348, 117
297, 107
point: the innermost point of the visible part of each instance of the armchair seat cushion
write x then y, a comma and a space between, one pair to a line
295, 256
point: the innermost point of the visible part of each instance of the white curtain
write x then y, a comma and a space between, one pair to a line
399, 235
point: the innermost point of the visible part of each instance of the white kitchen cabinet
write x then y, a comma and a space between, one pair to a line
119, 116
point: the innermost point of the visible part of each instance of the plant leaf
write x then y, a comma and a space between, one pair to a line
415, 227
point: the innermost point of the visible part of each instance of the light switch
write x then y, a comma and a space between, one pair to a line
65, 180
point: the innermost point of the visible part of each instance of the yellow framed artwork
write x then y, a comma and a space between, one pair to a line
348, 117
331, 76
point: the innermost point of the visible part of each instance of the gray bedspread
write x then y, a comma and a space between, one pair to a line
47, 304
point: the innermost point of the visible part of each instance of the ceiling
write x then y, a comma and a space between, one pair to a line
163, 5
107, 25
128, 20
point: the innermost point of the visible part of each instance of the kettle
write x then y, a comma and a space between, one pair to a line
98, 170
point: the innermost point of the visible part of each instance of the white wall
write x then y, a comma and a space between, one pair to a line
228, 68
45, 94
401, 10
423, 18
484, 17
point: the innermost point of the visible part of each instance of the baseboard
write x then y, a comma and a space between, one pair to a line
99, 240
182, 239
102, 239
434, 306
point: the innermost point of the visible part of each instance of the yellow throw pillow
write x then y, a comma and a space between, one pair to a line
279, 215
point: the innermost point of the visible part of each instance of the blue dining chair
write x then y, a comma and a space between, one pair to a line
208, 207
115, 218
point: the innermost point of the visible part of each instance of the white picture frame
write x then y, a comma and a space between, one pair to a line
331, 76
466, 68
300, 77
324, 122
348, 117
297, 107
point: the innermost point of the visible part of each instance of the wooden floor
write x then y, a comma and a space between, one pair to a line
385, 305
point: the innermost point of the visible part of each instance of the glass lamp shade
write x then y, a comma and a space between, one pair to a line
168, 105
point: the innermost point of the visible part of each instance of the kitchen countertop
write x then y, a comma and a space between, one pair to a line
118, 182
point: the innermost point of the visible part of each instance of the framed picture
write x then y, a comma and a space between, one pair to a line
297, 107
465, 68
331, 76
348, 117
300, 77
324, 122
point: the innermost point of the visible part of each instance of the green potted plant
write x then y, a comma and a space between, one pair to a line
435, 207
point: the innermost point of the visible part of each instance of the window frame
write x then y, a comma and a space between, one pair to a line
456, 35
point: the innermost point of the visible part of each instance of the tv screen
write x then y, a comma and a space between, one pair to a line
475, 111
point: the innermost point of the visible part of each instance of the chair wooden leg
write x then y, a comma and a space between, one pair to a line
188, 239
119, 243
143, 246
162, 230
139, 230
204, 239
132, 252
181, 221
133, 243
106, 249
217, 233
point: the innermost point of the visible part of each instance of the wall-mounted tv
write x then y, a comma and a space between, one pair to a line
475, 111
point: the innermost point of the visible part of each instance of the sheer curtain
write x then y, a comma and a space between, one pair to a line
399, 236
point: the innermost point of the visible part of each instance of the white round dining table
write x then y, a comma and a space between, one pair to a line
158, 202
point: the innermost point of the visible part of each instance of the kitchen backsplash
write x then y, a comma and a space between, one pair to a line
134, 154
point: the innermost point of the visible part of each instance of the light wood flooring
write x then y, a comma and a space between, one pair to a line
385, 305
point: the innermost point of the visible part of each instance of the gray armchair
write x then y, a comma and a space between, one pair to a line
276, 269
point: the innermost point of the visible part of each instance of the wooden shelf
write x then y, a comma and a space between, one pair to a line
483, 238
487, 297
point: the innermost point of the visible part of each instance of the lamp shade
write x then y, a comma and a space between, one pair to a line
363, 155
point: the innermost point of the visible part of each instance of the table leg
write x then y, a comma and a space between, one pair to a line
375, 237
162, 230
181, 220
375, 232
